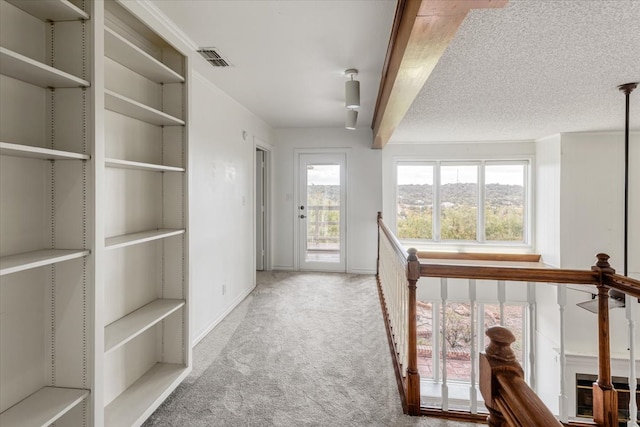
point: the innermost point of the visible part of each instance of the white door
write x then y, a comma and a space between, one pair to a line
321, 212
260, 211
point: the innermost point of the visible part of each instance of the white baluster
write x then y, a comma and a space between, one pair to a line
473, 394
445, 388
531, 339
435, 340
563, 398
631, 308
502, 297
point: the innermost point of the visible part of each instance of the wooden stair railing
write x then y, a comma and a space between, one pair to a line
510, 401
605, 407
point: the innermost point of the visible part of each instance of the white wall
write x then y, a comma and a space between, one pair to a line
580, 213
548, 199
222, 175
591, 221
363, 193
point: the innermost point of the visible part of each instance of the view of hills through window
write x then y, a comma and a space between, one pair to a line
458, 193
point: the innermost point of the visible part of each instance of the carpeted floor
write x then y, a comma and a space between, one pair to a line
304, 349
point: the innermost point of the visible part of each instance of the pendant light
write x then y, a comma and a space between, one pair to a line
352, 118
352, 90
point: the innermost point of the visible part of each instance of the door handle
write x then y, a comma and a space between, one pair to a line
302, 216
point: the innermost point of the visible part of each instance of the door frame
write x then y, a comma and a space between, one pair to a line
297, 152
259, 144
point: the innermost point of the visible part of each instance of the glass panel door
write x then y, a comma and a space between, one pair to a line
321, 212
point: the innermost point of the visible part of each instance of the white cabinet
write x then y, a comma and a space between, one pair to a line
94, 293
45, 242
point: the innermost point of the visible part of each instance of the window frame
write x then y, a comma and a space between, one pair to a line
480, 244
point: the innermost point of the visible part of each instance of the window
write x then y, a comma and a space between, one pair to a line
474, 202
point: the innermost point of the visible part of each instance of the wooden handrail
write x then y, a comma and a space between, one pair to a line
622, 283
514, 272
510, 401
397, 246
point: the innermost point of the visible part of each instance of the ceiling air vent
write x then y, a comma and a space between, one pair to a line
213, 57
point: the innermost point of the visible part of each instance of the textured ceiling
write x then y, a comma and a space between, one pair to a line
532, 69
289, 56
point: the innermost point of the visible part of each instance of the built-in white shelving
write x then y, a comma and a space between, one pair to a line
77, 183
19, 150
128, 107
43, 407
23, 68
25, 261
51, 10
141, 237
130, 326
126, 164
46, 211
138, 401
131, 56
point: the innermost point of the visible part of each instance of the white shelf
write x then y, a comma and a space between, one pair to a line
43, 407
19, 150
144, 396
126, 53
141, 237
51, 10
123, 105
130, 326
25, 261
126, 164
20, 67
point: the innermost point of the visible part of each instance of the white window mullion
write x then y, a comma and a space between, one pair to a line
480, 232
437, 235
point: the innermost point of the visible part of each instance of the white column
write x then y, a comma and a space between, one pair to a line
563, 398
631, 307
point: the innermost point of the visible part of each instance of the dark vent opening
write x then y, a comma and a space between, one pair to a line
213, 57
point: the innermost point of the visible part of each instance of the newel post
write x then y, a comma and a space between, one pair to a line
413, 377
498, 358
605, 398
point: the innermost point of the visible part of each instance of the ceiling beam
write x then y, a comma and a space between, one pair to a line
422, 30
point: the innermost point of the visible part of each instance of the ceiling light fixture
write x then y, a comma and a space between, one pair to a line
352, 118
352, 89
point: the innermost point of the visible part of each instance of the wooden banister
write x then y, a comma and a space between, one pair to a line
413, 376
508, 398
605, 397
397, 246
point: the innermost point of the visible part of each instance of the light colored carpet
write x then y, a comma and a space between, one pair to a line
304, 349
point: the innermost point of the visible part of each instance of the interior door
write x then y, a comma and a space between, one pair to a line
260, 211
321, 212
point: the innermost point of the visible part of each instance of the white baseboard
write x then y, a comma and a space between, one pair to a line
213, 324
283, 268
